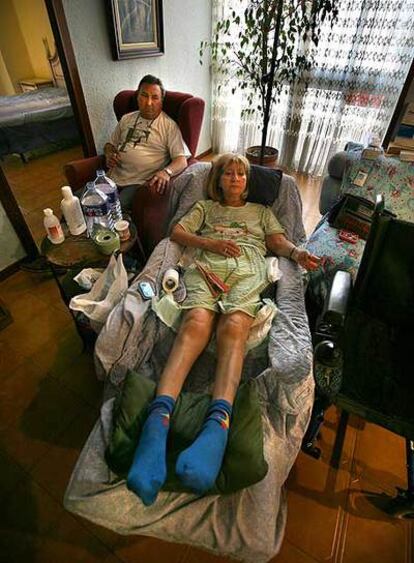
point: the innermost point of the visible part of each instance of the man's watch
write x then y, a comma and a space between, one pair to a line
168, 171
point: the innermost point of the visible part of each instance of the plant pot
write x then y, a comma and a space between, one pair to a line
269, 158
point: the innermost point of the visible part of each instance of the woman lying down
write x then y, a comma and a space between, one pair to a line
232, 238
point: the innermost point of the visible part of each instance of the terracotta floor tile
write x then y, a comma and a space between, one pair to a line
41, 324
109, 538
317, 494
372, 536
151, 550
291, 554
10, 474
36, 526
18, 546
79, 376
53, 471
17, 391
195, 555
9, 359
50, 294
51, 409
22, 282
389, 468
60, 351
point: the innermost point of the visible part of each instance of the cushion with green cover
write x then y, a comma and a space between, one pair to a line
243, 463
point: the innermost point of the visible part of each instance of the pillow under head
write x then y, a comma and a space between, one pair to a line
263, 184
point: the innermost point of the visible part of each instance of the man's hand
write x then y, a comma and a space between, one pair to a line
112, 156
305, 259
159, 182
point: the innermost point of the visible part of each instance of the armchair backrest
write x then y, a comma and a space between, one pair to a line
379, 330
384, 287
186, 110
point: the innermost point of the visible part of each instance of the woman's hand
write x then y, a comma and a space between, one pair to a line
227, 248
305, 259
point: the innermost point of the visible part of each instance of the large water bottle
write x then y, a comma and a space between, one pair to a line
108, 187
96, 209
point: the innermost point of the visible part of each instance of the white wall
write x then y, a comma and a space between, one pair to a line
11, 248
186, 24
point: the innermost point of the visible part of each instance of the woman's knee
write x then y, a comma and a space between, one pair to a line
198, 321
234, 326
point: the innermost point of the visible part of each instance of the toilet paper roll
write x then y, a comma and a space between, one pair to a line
170, 280
107, 242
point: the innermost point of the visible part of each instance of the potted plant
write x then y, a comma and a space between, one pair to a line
262, 46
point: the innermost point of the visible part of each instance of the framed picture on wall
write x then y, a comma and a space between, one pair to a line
136, 28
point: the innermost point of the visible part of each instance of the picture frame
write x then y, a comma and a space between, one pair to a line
136, 28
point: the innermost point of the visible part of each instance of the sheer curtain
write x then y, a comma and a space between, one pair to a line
360, 67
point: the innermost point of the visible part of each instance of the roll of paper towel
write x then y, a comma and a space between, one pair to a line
170, 280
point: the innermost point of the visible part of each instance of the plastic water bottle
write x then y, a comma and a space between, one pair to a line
108, 187
96, 209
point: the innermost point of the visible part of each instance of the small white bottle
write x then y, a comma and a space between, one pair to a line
52, 226
72, 212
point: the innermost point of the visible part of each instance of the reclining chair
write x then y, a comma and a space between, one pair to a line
363, 338
247, 524
149, 210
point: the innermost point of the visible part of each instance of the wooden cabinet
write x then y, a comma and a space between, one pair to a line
28, 84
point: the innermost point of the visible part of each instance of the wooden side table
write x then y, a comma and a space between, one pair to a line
76, 253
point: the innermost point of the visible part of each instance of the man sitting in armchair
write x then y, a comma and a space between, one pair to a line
146, 148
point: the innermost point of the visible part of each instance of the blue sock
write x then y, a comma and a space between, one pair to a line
199, 465
148, 471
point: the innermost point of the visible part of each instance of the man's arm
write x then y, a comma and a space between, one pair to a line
112, 156
159, 182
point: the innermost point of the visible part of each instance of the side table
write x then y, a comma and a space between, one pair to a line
76, 253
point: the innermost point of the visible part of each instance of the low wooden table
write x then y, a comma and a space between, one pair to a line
76, 253
80, 250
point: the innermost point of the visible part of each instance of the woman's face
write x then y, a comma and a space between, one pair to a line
233, 181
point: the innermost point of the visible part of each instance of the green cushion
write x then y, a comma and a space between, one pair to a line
243, 463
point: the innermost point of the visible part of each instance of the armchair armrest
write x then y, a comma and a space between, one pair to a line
336, 303
331, 321
78, 172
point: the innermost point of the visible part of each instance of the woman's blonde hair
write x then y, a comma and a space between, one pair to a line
214, 189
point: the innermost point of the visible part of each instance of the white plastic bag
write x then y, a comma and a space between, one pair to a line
106, 292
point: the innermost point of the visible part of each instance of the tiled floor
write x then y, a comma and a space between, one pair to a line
49, 400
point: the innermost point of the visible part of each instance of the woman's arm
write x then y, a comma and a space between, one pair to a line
226, 248
278, 244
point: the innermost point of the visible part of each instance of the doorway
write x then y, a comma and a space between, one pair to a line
32, 157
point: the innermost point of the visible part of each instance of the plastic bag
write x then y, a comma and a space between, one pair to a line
106, 292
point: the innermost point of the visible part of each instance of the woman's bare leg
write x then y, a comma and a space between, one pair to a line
148, 470
193, 336
199, 465
232, 333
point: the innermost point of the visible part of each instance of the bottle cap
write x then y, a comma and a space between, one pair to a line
67, 192
48, 212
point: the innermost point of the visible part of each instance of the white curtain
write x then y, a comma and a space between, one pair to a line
361, 65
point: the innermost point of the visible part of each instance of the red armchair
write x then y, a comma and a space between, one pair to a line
149, 211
